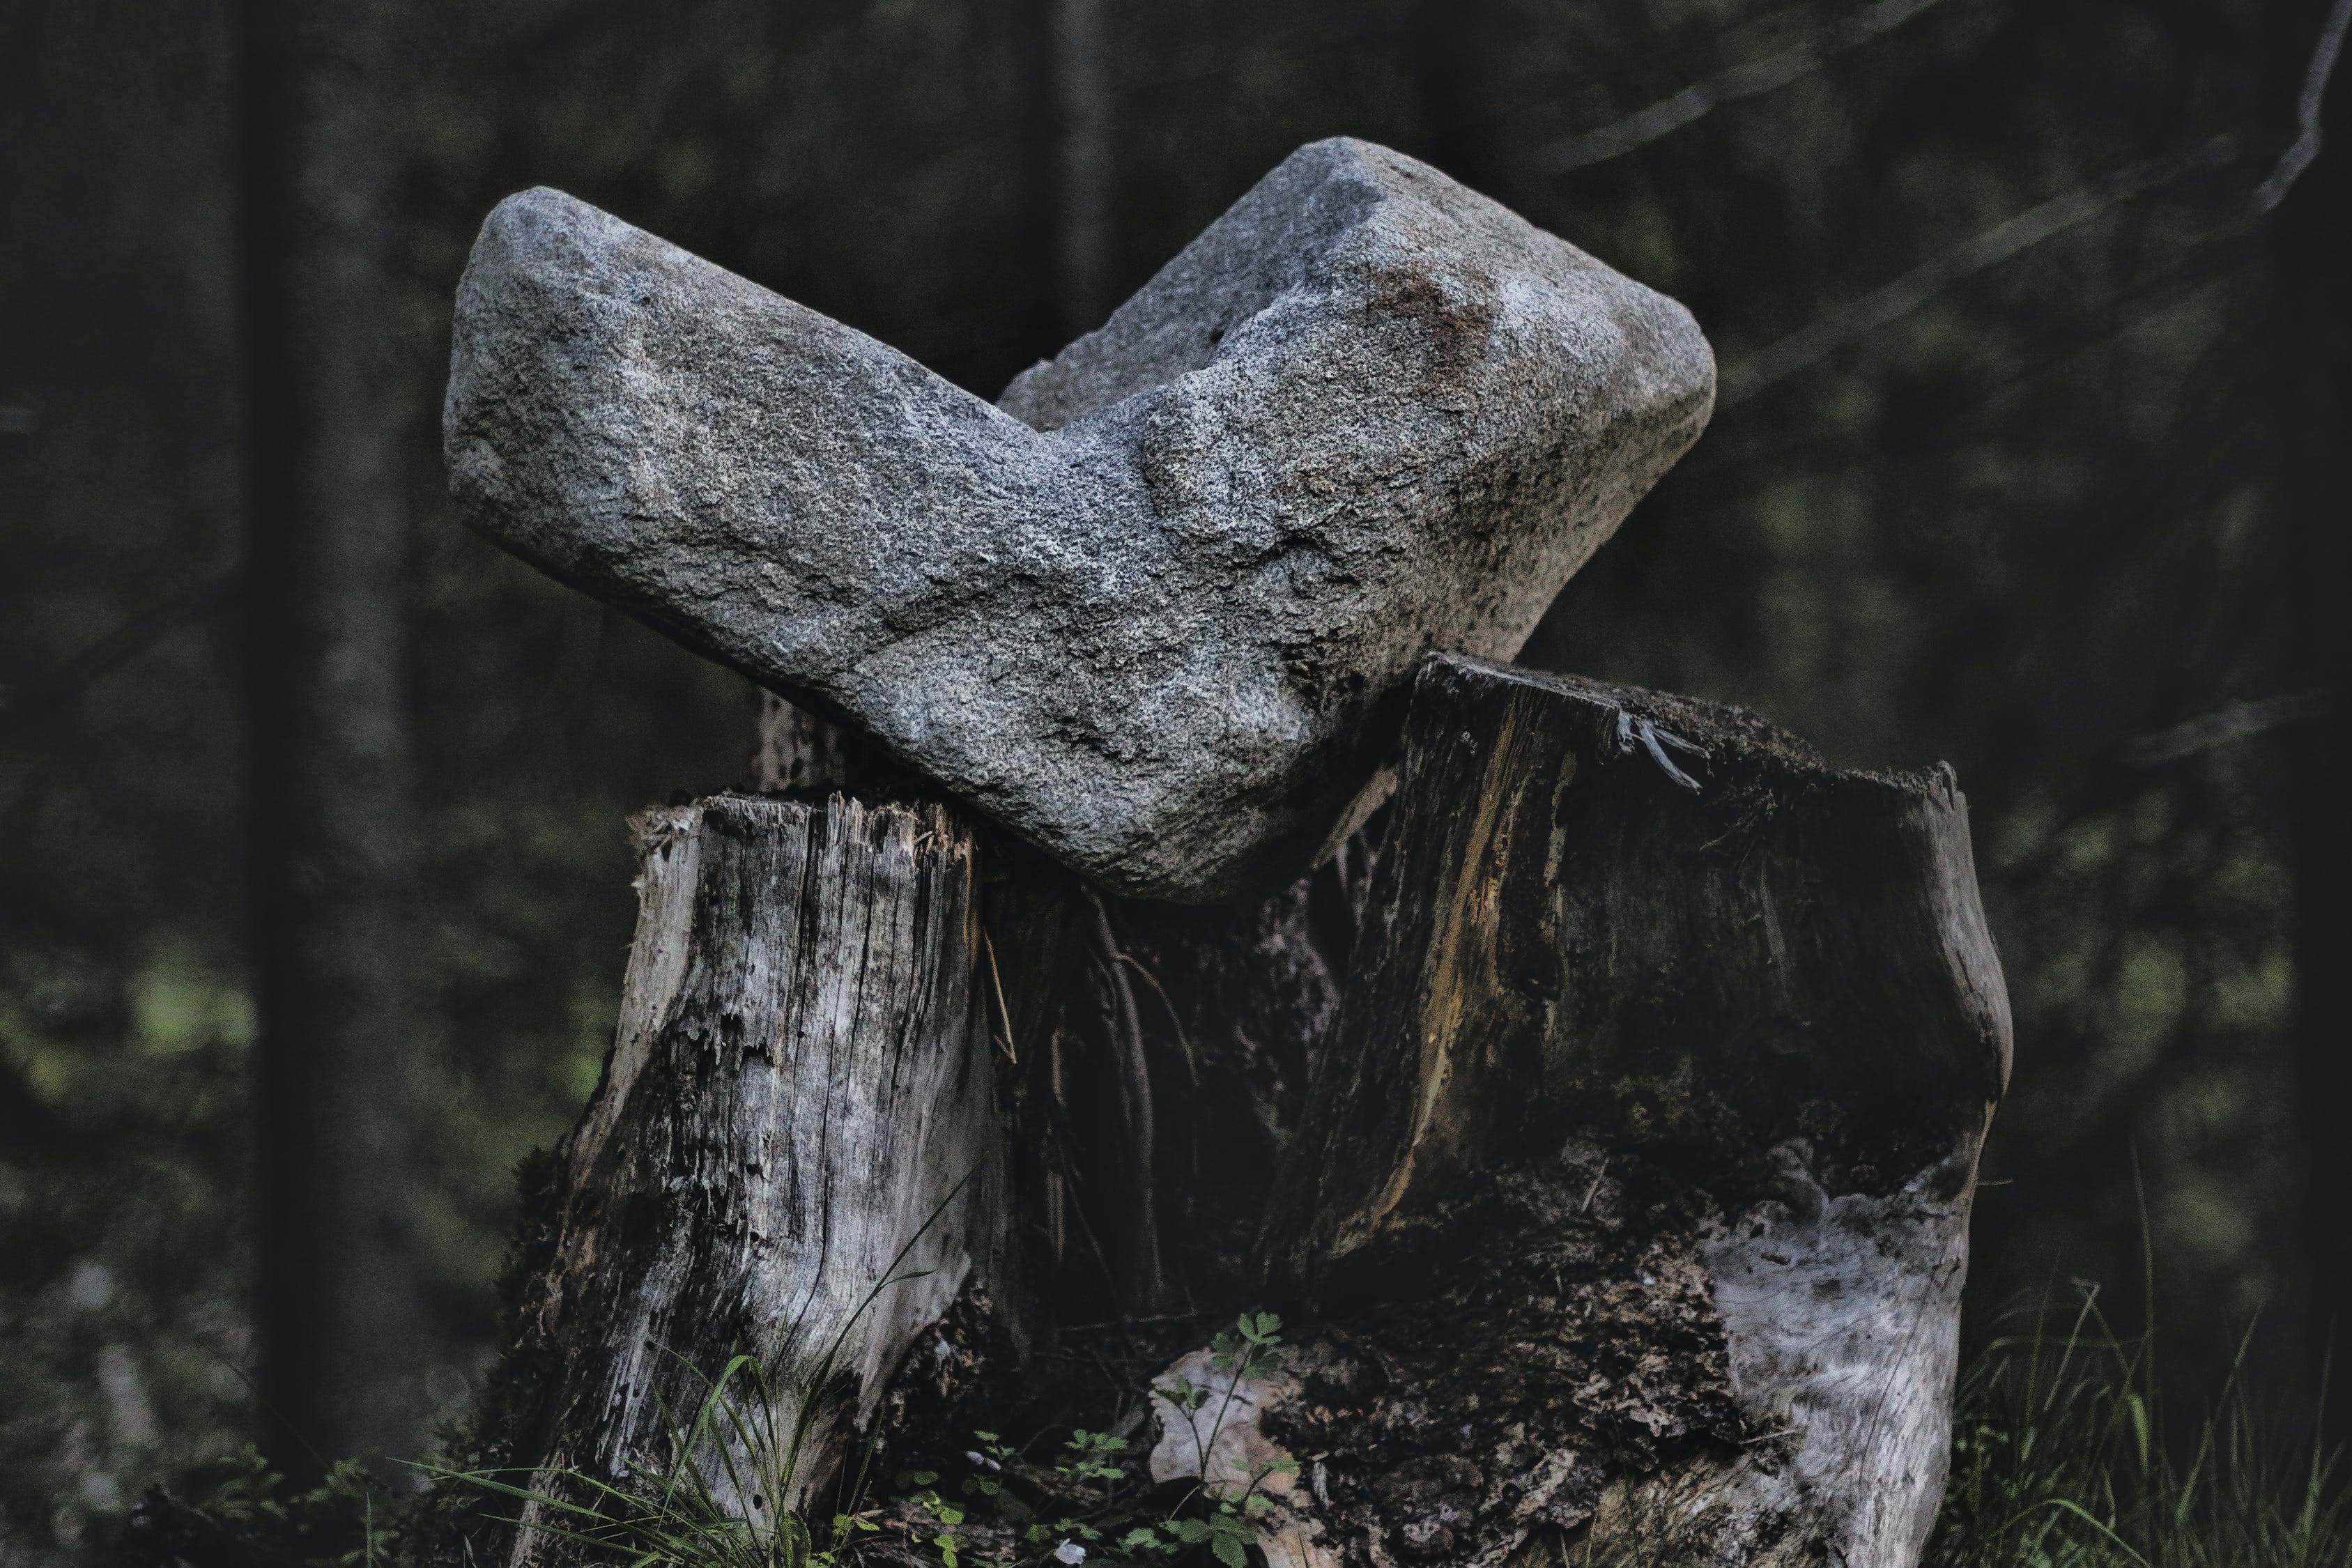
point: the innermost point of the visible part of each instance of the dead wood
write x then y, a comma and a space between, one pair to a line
795, 1113
1632, 1193
1608, 1135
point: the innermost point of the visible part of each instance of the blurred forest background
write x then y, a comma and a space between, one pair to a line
2019, 513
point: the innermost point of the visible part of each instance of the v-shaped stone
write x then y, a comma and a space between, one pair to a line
1152, 612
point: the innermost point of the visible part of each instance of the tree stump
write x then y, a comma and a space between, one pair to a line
1631, 1197
1604, 1118
796, 1110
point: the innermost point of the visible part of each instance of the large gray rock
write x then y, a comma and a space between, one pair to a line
1153, 613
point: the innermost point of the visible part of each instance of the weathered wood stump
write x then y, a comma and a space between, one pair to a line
1632, 1195
1608, 1136
797, 1109
1603, 1111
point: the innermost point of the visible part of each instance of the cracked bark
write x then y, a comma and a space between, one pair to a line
796, 1110
1631, 1198
1608, 1137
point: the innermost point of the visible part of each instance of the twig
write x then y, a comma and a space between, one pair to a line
1003, 1012
1747, 80
2233, 723
2108, 321
1840, 326
1130, 1323
1135, 1075
1632, 732
2305, 147
1192, 1063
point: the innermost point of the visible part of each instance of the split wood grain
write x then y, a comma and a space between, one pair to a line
796, 1112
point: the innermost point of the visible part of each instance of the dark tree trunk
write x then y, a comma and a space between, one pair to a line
1068, 160
2310, 374
1631, 1193
337, 1300
1489, 74
1199, 1023
1610, 1137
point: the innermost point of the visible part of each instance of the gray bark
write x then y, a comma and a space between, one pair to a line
1608, 1137
338, 1292
795, 751
796, 1112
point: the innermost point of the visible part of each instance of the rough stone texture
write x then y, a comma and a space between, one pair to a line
1151, 614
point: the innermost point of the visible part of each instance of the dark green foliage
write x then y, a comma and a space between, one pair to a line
718, 1502
250, 1519
1090, 1502
2064, 1455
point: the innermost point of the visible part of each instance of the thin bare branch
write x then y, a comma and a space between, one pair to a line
1745, 80
2233, 723
2305, 147
1916, 288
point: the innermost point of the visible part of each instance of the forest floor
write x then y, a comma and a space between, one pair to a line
2064, 1455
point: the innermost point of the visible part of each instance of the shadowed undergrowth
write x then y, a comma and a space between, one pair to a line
2064, 1456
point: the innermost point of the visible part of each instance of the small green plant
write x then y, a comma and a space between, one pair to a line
1090, 1455
1103, 1511
1220, 1523
1253, 1350
332, 1525
920, 1488
720, 1501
